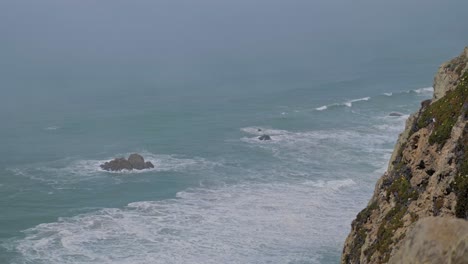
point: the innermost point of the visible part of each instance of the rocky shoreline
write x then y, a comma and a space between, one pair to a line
427, 177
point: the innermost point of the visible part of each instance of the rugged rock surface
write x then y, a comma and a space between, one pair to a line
134, 161
264, 137
434, 240
449, 73
427, 175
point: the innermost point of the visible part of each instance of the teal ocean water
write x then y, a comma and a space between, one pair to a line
83, 83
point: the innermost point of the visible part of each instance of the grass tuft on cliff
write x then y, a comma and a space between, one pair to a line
445, 112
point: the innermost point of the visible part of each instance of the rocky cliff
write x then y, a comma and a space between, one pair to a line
427, 174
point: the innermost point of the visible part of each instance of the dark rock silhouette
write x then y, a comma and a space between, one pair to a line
134, 162
264, 137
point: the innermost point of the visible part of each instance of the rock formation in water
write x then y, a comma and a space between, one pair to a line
264, 137
427, 177
134, 162
395, 114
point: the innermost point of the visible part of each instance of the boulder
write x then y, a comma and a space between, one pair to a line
264, 137
134, 162
434, 240
137, 161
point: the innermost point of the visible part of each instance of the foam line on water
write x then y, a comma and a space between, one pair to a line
245, 223
348, 103
426, 91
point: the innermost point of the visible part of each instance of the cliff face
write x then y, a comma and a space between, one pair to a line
434, 240
427, 174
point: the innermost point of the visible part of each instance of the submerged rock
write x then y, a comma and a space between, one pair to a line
134, 161
264, 137
395, 114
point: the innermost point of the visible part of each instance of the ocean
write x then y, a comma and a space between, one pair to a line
80, 90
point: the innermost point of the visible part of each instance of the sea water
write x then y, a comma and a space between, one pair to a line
217, 194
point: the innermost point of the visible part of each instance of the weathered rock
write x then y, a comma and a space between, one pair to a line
149, 165
137, 161
134, 161
434, 240
117, 164
264, 137
449, 73
395, 114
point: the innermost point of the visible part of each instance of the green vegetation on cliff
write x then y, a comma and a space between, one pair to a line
402, 192
445, 112
460, 184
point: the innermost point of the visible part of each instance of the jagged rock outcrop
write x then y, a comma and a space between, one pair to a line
434, 240
427, 174
449, 73
134, 162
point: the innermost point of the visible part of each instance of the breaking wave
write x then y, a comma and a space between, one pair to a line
245, 223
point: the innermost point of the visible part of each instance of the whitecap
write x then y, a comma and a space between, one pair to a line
427, 90
346, 103
350, 102
52, 128
321, 108
388, 94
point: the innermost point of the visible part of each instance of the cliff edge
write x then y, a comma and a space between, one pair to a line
427, 174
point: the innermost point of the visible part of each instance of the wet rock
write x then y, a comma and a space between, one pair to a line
264, 137
134, 162
137, 161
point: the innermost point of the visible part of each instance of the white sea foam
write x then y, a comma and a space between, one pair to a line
348, 103
321, 108
71, 171
424, 91
323, 148
52, 128
246, 223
